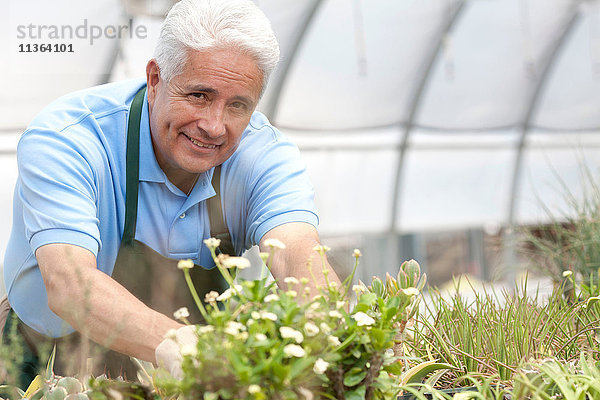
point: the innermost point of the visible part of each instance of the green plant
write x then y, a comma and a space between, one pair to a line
552, 379
570, 243
494, 335
270, 343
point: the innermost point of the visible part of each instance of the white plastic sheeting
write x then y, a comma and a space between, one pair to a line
411, 115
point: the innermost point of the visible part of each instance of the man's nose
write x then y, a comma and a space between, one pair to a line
212, 121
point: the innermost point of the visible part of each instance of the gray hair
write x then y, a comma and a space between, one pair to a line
211, 24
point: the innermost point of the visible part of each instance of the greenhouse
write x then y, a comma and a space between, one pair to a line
451, 132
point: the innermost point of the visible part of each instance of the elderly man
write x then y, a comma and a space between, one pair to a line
115, 185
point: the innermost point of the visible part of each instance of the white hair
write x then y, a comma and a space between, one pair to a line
212, 24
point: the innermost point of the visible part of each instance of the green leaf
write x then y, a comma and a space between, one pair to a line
367, 298
299, 366
402, 278
354, 377
379, 337
346, 342
281, 371
36, 384
395, 368
420, 371
361, 307
390, 313
356, 394
377, 287
50, 365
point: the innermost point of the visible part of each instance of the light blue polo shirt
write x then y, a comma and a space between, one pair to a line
71, 189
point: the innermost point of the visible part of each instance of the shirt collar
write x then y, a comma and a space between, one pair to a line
150, 171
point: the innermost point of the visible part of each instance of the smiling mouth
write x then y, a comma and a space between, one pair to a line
200, 144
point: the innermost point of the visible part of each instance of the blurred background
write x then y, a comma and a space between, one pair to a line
438, 130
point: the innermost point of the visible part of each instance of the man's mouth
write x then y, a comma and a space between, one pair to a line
200, 144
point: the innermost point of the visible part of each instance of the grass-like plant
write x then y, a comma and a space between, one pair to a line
494, 335
570, 242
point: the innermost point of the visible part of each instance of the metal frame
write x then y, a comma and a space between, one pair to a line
272, 105
533, 105
416, 102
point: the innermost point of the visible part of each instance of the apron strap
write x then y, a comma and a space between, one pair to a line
132, 167
218, 227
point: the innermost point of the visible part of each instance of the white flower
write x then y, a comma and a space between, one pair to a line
566, 274
254, 389
206, 329
411, 291
274, 244
260, 337
333, 285
230, 292
233, 328
311, 329
211, 297
340, 304
293, 350
236, 262
181, 313
212, 243
292, 293
290, 280
188, 350
243, 336
304, 280
363, 319
237, 288
320, 366
290, 333
225, 295
306, 394
268, 315
357, 253
358, 289
255, 315
314, 306
325, 328
321, 249
185, 264
333, 340
271, 297
335, 314
171, 334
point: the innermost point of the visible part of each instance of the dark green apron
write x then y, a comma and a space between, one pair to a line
151, 277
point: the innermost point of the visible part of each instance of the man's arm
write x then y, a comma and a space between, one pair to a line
95, 304
300, 239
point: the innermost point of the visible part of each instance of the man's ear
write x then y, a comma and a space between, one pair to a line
152, 80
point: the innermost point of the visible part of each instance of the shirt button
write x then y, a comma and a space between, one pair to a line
182, 216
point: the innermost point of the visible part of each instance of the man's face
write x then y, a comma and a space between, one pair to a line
197, 119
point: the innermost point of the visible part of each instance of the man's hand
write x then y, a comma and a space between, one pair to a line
95, 304
169, 351
300, 240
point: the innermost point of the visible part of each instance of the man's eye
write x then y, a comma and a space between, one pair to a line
199, 95
238, 105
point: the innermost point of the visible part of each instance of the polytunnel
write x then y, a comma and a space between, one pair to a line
430, 128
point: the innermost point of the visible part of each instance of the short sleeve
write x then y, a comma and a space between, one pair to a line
57, 187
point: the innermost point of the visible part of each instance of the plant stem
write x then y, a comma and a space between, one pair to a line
188, 280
